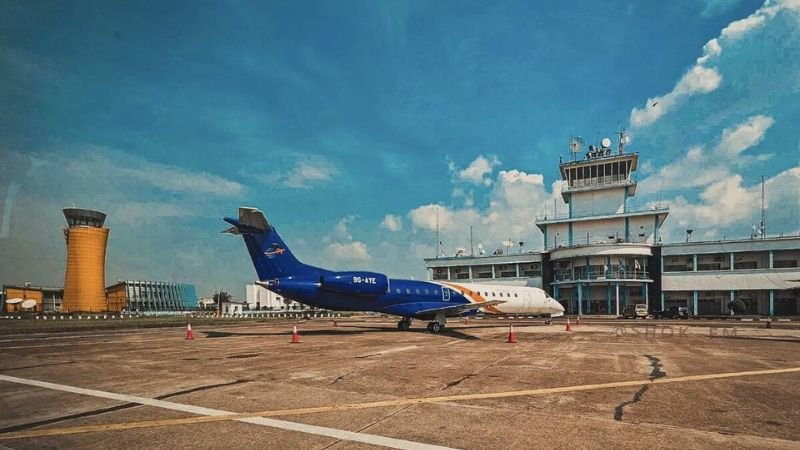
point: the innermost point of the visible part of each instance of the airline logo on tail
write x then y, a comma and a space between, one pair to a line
274, 251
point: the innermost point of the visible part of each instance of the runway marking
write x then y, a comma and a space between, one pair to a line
260, 418
210, 413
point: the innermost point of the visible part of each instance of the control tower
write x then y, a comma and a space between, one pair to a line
602, 247
84, 281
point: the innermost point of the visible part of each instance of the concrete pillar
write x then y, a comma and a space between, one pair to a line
732, 297
771, 302
770, 259
617, 297
694, 263
608, 307
580, 299
663, 303
731, 255
588, 299
646, 296
448, 272
694, 297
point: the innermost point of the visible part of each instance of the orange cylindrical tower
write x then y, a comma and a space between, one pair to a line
85, 278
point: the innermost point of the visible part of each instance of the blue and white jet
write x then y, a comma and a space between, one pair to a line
280, 272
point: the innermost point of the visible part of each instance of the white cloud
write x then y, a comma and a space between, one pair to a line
100, 160
431, 217
743, 136
698, 80
710, 50
392, 223
309, 171
355, 251
135, 212
515, 199
701, 79
729, 205
340, 230
479, 171
699, 167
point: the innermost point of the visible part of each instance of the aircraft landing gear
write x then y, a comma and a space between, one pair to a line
548, 322
438, 324
435, 327
404, 324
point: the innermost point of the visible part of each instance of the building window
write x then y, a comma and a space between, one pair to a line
785, 259
714, 261
750, 260
678, 263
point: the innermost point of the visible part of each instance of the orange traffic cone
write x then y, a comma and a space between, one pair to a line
512, 338
569, 327
295, 336
189, 335
578, 321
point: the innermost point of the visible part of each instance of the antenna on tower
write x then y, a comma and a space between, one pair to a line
623, 139
763, 211
438, 242
575, 146
471, 248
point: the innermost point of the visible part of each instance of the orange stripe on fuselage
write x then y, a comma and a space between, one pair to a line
474, 297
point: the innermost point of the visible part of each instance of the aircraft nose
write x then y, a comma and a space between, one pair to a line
558, 306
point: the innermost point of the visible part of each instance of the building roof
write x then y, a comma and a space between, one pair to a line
77, 217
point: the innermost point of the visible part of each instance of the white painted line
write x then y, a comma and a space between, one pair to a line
267, 422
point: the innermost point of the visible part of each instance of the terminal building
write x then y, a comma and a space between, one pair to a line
84, 288
261, 299
151, 296
602, 254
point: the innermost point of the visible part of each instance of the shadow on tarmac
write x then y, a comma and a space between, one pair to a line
447, 332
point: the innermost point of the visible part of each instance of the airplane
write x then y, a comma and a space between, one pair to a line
279, 271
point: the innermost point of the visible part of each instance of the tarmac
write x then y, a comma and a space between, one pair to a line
364, 384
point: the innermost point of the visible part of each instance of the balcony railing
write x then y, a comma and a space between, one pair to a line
565, 215
599, 181
595, 275
556, 243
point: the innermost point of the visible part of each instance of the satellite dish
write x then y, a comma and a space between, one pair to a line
605, 142
14, 301
28, 304
508, 243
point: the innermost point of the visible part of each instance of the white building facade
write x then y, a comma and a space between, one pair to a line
604, 253
601, 250
262, 299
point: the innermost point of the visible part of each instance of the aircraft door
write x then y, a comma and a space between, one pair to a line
527, 303
445, 294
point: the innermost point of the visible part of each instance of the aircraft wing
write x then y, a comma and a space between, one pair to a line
456, 309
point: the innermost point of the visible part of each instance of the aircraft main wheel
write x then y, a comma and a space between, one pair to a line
404, 325
430, 327
400, 325
436, 327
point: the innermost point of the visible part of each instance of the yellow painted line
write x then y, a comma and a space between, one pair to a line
385, 403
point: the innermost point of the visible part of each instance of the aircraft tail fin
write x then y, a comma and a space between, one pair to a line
271, 257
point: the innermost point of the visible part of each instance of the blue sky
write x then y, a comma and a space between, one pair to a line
346, 121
